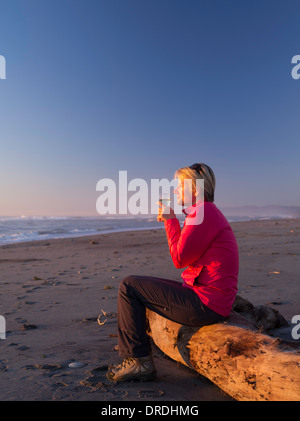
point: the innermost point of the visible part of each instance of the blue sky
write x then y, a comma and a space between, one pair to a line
98, 86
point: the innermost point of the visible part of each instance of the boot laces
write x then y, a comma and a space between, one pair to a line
124, 363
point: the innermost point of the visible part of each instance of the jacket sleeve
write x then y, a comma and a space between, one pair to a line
188, 244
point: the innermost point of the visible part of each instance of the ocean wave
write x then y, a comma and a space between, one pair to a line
23, 228
53, 232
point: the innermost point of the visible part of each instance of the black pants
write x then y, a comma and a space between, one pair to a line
163, 296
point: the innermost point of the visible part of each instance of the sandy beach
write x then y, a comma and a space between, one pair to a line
52, 293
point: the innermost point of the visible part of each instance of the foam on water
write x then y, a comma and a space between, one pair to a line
23, 228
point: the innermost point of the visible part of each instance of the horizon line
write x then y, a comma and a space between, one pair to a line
38, 215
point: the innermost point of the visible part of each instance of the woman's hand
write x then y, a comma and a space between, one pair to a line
164, 213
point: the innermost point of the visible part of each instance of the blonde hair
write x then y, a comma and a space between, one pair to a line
203, 172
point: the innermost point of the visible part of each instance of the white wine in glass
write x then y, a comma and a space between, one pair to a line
165, 200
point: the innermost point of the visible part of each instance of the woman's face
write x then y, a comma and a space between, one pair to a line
185, 197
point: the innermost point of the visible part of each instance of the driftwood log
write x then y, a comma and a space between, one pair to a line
237, 355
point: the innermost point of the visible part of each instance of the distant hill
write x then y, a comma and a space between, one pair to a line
270, 211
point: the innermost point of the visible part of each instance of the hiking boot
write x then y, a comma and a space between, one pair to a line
132, 369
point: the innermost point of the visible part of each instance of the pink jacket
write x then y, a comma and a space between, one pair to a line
209, 250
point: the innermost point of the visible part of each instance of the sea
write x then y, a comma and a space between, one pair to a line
16, 229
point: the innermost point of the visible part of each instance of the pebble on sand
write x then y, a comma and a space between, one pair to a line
76, 365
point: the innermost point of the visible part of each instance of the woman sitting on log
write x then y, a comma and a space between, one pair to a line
207, 248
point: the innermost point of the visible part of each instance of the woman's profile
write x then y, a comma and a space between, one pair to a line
209, 252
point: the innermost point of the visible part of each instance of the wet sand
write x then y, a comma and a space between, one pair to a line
52, 293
